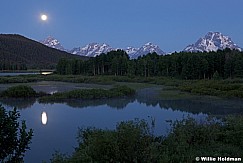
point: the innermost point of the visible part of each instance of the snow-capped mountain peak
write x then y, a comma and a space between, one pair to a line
92, 49
147, 48
95, 49
212, 41
53, 43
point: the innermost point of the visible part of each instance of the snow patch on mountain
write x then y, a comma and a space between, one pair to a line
131, 50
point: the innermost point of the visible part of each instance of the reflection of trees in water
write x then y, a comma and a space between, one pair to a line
220, 107
150, 97
117, 103
19, 103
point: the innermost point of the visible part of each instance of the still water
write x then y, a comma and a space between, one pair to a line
55, 125
17, 73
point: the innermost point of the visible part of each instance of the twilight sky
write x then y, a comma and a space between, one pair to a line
171, 24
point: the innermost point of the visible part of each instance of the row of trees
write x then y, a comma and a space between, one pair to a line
112, 63
185, 65
12, 66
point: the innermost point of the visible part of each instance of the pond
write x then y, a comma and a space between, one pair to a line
56, 125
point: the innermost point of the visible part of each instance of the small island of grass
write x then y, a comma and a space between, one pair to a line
23, 91
89, 94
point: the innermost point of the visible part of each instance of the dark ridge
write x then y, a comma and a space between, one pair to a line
18, 52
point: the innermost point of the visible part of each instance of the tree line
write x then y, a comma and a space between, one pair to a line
225, 63
112, 63
12, 66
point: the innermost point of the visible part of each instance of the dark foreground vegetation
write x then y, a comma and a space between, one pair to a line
14, 138
89, 94
133, 141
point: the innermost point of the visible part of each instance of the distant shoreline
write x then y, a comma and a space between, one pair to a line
27, 71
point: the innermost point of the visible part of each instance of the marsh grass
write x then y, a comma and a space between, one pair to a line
214, 88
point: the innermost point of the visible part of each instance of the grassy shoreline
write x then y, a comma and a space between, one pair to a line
228, 88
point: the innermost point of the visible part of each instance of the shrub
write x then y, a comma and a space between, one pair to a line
19, 91
130, 142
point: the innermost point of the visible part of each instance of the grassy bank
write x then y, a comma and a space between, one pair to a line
87, 79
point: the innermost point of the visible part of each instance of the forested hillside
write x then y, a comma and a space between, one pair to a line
20, 53
184, 65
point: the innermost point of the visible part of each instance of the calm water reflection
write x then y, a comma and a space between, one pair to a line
55, 125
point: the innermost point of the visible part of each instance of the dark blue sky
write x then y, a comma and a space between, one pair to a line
171, 24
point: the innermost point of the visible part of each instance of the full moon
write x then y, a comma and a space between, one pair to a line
44, 17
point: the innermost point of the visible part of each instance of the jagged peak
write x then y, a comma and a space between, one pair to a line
53, 43
212, 41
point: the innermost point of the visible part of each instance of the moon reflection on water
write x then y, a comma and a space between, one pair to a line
44, 118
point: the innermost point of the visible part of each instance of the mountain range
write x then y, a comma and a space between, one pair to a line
212, 41
94, 49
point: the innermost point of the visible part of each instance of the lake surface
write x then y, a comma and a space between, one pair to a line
17, 73
62, 124
56, 125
